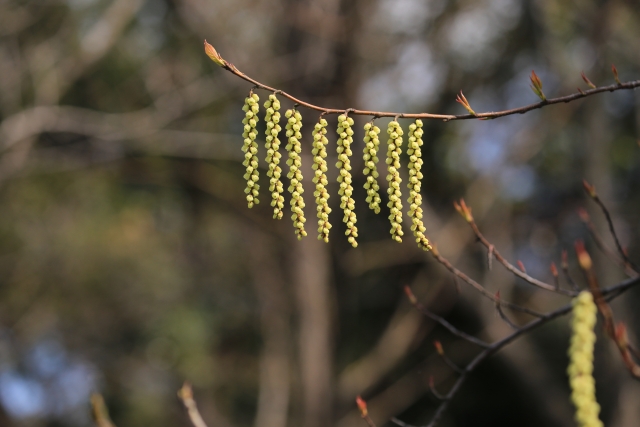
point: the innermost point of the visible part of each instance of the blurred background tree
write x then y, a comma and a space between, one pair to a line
129, 262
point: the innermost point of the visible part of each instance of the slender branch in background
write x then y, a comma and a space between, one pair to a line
465, 212
364, 413
432, 388
607, 294
477, 286
613, 256
100, 412
455, 331
564, 264
591, 190
215, 57
440, 350
186, 396
502, 315
554, 273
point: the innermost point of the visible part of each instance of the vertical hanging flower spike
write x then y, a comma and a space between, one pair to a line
250, 147
583, 388
394, 149
370, 156
272, 144
345, 138
320, 178
415, 198
294, 124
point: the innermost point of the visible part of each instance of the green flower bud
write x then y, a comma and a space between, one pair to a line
250, 148
415, 198
294, 124
347, 204
320, 178
394, 150
580, 368
272, 145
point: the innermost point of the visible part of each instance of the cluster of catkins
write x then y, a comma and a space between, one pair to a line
345, 139
583, 386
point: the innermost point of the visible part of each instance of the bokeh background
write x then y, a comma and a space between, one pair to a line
129, 261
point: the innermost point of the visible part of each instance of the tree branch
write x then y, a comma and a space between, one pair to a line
445, 117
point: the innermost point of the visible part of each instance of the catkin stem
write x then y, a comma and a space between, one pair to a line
583, 388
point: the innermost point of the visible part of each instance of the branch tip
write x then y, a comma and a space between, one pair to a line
536, 85
584, 260
587, 81
214, 55
614, 70
461, 99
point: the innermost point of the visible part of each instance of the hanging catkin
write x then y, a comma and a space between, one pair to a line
415, 175
250, 148
394, 149
345, 138
370, 156
272, 144
320, 178
583, 386
294, 124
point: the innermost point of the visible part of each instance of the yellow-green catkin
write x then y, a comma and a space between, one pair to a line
294, 124
394, 150
250, 148
415, 175
583, 388
320, 178
370, 156
345, 138
272, 117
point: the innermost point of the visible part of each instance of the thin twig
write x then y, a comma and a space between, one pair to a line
455, 331
100, 412
617, 333
477, 286
613, 256
502, 315
465, 211
435, 392
445, 358
186, 395
445, 117
564, 264
608, 294
592, 192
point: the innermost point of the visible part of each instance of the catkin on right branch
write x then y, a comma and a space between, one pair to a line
583, 386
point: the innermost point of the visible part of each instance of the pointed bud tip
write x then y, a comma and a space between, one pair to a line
438, 345
362, 406
213, 54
